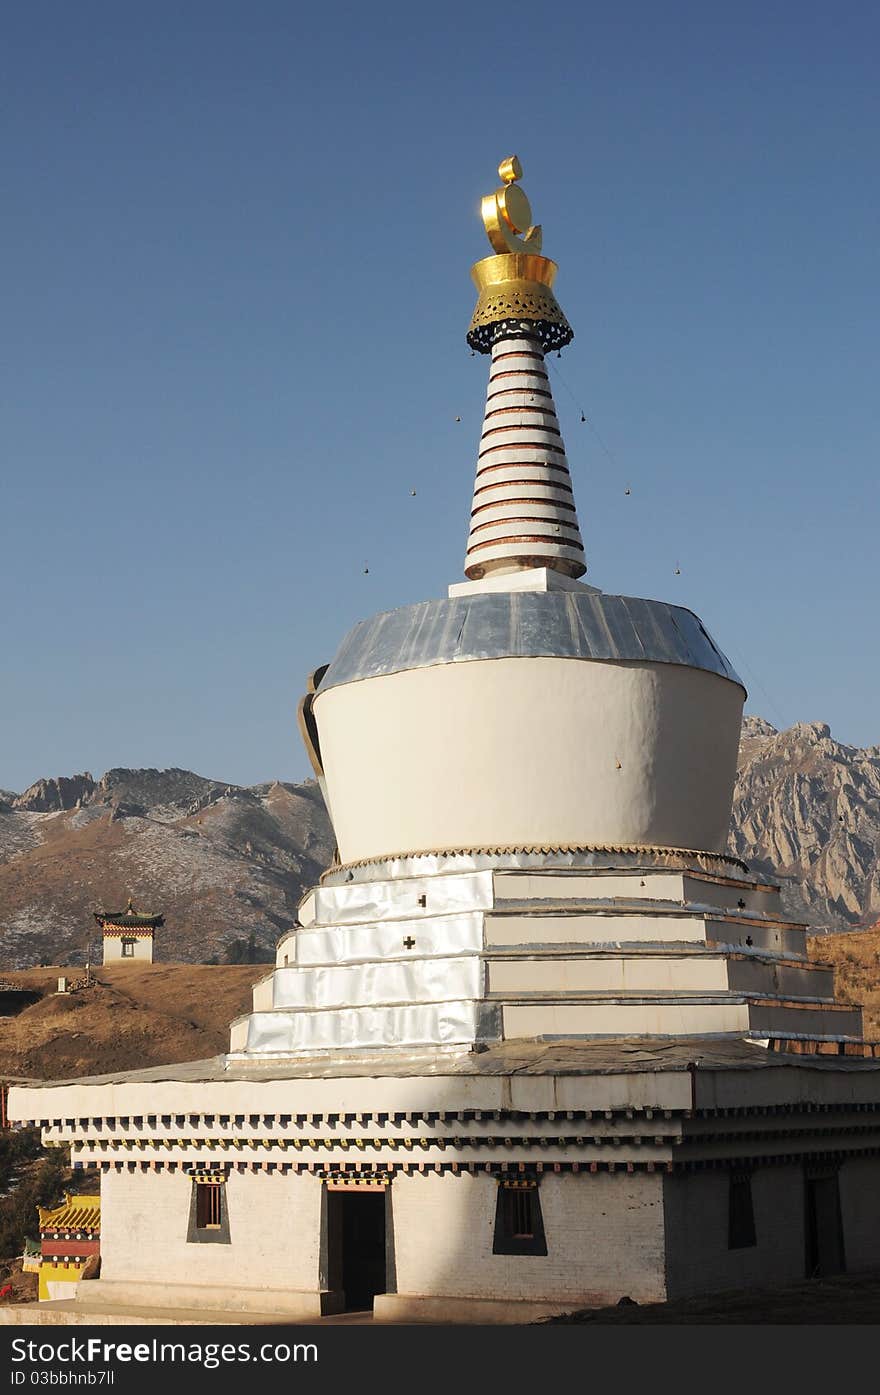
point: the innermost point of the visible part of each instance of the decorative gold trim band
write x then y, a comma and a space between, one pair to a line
545, 850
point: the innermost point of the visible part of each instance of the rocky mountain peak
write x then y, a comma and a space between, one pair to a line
158, 793
806, 812
757, 726
51, 796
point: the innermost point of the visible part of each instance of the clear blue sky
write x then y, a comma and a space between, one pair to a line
236, 250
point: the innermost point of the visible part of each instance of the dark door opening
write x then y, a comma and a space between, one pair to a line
824, 1232
356, 1245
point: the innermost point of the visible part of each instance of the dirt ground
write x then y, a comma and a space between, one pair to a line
844, 1299
134, 1016
16, 1287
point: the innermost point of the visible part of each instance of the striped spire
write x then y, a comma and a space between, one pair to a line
523, 513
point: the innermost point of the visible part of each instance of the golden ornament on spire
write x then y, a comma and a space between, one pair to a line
507, 213
515, 285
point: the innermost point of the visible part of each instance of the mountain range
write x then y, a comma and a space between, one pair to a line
227, 865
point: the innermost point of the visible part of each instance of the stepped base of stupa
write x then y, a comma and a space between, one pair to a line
473, 947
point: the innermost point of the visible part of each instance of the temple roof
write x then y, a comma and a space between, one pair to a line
130, 918
75, 1213
597, 1056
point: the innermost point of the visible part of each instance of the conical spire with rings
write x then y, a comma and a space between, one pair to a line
523, 513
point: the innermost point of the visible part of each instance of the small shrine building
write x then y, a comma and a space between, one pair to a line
128, 935
70, 1245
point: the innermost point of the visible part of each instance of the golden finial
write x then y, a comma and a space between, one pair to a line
515, 283
507, 215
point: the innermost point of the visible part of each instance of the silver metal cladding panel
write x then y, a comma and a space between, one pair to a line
393, 981
357, 900
429, 1024
526, 624
433, 935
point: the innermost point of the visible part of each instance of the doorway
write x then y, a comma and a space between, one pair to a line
356, 1244
824, 1231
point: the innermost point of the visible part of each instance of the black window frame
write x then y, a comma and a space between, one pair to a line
519, 1220
214, 1232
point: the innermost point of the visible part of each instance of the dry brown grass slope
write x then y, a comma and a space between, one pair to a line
135, 1016
855, 955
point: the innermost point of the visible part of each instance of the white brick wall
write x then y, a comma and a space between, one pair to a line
698, 1259
604, 1239
644, 1235
274, 1224
143, 950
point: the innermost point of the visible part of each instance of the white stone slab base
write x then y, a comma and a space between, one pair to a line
521, 579
300, 1305
449, 1309
68, 1312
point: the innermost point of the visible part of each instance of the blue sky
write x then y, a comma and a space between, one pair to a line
236, 251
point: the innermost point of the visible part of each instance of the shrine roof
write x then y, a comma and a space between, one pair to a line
75, 1213
130, 918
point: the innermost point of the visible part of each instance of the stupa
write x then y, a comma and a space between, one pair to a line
537, 1041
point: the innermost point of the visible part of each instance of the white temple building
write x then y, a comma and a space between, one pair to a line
537, 1041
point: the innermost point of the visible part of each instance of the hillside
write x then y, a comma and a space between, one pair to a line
134, 1016
855, 955
220, 862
